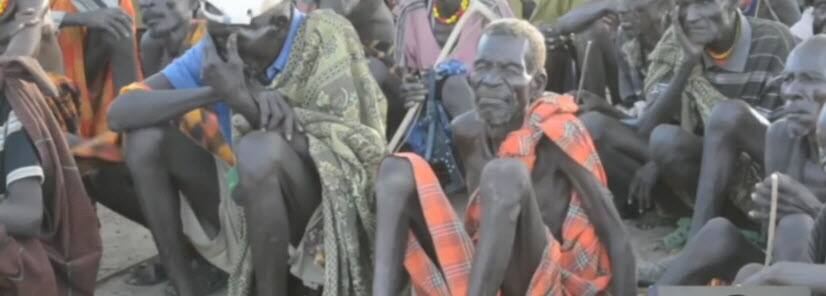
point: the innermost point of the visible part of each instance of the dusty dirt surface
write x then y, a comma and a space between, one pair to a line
126, 244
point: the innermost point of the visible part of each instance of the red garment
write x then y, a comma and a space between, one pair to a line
578, 264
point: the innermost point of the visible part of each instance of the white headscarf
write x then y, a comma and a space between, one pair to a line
236, 12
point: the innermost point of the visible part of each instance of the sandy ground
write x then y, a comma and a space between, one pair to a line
126, 244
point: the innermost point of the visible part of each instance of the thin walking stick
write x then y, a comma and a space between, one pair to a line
584, 66
772, 222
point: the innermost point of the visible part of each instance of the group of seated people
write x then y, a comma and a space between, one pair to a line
275, 147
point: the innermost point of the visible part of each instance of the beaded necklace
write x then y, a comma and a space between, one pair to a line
453, 19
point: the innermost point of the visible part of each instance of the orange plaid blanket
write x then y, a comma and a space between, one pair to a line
577, 264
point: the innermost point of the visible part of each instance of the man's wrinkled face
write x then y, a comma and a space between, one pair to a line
261, 39
819, 16
501, 80
804, 86
164, 16
705, 20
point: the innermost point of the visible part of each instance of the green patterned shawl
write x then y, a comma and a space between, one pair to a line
342, 110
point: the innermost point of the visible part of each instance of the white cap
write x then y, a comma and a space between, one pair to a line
236, 12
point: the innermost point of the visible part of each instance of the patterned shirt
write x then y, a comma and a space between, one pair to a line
759, 56
18, 157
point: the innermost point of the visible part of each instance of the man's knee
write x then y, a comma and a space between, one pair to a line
395, 182
778, 130
144, 146
666, 143
727, 117
505, 182
597, 124
259, 155
720, 236
797, 226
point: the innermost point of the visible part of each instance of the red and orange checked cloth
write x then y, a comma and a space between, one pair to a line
577, 266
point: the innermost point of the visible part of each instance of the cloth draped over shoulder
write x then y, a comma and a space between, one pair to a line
64, 260
95, 96
546, 12
416, 46
578, 264
342, 110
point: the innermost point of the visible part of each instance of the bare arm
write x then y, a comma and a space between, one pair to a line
667, 105
577, 19
29, 18
22, 211
138, 109
151, 54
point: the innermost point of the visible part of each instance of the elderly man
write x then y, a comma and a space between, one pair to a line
719, 250
49, 240
302, 83
538, 185
712, 73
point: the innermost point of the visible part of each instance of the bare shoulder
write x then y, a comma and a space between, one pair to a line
466, 126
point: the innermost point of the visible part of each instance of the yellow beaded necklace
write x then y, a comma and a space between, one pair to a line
723, 56
452, 20
4, 4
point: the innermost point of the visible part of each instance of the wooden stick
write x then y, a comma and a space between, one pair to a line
585, 66
772, 222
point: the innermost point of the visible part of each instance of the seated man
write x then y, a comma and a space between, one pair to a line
302, 82
642, 23
719, 250
711, 71
49, 240
170, 31
100, 57
423, 28
541, 191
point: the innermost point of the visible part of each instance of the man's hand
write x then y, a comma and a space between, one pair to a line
226, 77
800, 118
793, 198
113, 20
553, 38
413, 90
276, 114
691, 51
589, 101
642, 185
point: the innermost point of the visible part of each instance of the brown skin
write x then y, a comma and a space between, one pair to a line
272, 163
517, 204
109, 43
168, 25
24, 33
804, 86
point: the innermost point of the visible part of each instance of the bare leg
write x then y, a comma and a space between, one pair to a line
792, 241
622, 151
732, 128
280, 190
157, 182
513, 235
718, 251
395, 196
677, 155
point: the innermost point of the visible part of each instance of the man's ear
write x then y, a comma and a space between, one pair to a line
538, 84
